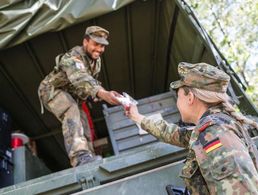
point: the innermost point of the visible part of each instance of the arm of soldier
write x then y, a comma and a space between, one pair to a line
108, 96
84, 82
225, 162
78, 76
169, 133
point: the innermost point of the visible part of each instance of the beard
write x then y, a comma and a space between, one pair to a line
92, 54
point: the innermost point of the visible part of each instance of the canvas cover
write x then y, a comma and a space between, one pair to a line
21, 20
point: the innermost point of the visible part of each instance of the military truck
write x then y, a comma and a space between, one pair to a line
148, 38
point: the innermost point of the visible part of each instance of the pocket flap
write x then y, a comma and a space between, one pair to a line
223, 168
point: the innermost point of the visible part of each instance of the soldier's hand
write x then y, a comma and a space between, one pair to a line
114, 100
109, 96
133, 113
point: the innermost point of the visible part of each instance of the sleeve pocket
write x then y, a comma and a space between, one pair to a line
223, 168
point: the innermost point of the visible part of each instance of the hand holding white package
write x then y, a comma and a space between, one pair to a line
126, 100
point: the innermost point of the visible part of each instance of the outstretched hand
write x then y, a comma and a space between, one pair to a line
109, 96
133, 113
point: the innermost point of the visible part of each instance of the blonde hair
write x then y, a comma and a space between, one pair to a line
211, 98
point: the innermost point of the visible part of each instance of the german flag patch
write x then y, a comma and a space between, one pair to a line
212, 145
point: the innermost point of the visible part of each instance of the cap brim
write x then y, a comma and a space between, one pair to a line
176, 84
100, 40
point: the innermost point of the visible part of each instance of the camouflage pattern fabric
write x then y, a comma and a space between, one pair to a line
202, 76
192, 176
219, 161
81, 73
73, 80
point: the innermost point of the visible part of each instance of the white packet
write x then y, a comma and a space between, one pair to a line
126, 100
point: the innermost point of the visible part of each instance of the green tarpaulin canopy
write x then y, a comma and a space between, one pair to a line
21, 20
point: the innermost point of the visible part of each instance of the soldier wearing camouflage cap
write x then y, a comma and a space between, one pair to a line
222, 158
73, 81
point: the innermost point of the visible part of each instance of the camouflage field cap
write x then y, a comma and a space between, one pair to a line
97, 34
202, 76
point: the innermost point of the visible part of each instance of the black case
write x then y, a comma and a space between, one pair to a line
176, 190
5, 130
6, 169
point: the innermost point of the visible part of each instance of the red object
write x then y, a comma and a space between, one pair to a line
19, 139
90, 121
16, 142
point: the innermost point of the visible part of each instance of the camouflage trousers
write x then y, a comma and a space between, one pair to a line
75, 127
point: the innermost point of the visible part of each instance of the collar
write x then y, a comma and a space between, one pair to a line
86, 57
211, 110
206, 119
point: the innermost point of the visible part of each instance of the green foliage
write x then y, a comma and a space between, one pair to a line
233, 25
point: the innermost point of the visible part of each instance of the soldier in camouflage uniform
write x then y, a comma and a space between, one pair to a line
71, 82
222, 158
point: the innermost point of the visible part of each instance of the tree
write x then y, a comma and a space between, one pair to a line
233, 25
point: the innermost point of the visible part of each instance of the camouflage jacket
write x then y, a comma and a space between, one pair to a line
75, 73
219, 160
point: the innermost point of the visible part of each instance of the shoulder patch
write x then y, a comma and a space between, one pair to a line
78, 63
205, 125
212, 145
